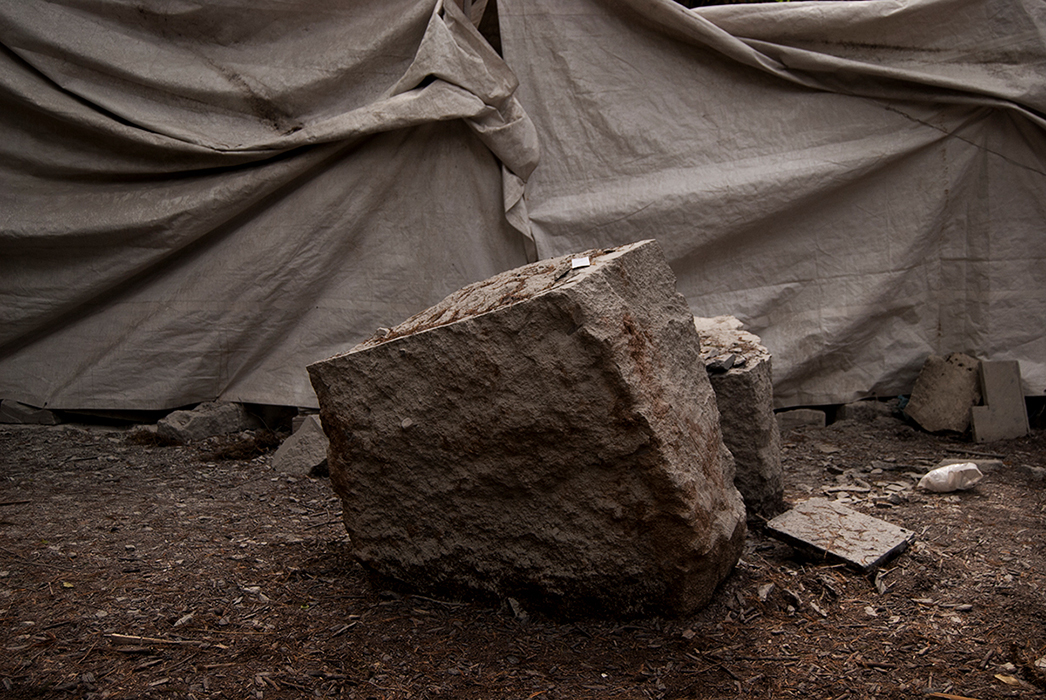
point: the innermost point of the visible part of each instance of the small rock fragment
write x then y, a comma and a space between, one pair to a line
305, 452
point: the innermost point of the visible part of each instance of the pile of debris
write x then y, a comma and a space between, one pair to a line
959, 392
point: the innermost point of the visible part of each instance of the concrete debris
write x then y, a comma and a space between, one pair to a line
206, 420
800, 418
833, 530
745, 396
987, 466
867, 410
1004, 415
17, 412
305, 452
722, 363
881, 484
945, 391
540, 435
1033, 473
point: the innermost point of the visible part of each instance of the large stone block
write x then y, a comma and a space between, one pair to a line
945, 391
740, 371
541, 435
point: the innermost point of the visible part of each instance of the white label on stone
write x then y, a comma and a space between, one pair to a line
579, 262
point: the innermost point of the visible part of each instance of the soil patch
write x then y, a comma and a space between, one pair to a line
132, 570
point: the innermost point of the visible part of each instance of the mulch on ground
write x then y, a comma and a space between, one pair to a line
131, 570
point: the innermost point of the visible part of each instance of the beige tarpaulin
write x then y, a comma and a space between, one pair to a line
197, 199
862, 183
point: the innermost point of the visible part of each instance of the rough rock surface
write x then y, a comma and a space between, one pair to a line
867, 410
542, 435
944, 392
17, 412
206, 420
304, 452
745, 396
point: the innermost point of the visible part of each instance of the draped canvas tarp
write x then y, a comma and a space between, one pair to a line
197, 199
861, 183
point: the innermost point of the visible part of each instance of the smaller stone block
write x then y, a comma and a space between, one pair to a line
739, 368
1004, 415
17, 412
835, 531
945, 391
865, 411
800, 418
305, 452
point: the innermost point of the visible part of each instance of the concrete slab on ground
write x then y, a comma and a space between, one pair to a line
842, 533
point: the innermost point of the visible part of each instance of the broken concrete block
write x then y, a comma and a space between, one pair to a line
1004, 415
206, 420
745, 397
945, 391
17, 412
833, 530
800, 418
305, 452
540, 435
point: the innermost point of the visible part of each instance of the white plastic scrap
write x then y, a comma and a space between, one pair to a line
953, 477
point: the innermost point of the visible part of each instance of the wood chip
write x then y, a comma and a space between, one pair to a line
130, 639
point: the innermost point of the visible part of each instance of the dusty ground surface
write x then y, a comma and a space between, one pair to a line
129, 570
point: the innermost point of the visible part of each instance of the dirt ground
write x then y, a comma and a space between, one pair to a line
130, 570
